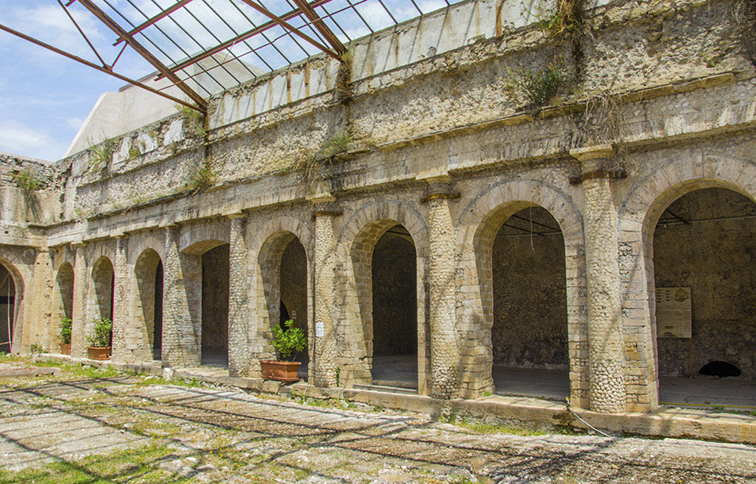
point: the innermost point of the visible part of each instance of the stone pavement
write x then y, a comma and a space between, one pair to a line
137, 429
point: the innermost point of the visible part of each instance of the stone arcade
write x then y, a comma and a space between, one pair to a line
460, 231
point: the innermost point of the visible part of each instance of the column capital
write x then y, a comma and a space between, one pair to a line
237, 215
321, 197
594, 152
439, 185
78, 244
438, 175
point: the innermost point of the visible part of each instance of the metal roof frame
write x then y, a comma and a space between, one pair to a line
198, 45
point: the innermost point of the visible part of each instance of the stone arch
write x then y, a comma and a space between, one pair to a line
269, 263
13, 317
354, 249
638, 217
479, 223
147, 300
268, 242
101, 301
63, 296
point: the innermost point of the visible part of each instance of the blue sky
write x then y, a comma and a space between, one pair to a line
45, 98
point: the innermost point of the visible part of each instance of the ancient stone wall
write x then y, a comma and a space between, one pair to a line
655, 100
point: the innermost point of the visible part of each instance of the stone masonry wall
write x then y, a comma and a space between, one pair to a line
446, 145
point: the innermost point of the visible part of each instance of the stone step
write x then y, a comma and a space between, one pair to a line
387, 389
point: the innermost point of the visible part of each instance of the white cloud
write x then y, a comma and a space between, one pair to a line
17, 138
74, 123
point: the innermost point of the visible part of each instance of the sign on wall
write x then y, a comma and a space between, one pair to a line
673, 312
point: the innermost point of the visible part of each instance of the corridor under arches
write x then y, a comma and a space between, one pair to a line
7, 310
394, 304
149, 312
529, 335
62, 299
704, 268
215, 290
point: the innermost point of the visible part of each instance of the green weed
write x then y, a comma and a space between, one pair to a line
100, 154
539, 87
27, 180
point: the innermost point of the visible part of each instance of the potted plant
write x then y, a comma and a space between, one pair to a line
287, 341
65, 336
99, 340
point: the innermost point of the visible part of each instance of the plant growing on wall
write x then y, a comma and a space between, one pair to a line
288, 341
540, 87
335, 145
101, 332
566, 16
194, 120
66, 325
27, 180
313, 165
100, 154
201, 176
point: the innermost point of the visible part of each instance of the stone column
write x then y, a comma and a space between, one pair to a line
123, 346
443, 338
323, 337
608, 393
79, 325
238, 314
171, 353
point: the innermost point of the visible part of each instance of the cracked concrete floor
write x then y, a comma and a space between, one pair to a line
99, 426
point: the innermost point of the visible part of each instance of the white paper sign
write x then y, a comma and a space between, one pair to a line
319, 329
673, 312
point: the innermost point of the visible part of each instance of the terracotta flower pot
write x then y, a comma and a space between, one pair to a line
285, 371
98, 353
65, 348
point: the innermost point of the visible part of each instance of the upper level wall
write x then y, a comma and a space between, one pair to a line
626, 48
29, 191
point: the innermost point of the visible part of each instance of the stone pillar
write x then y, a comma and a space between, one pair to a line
123, 346
79, 325
608, 393
443, 337
179, 338
238, 314
323, 337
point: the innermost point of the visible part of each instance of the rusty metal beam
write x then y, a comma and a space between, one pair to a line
96, 67
290, 28
239, 38
326, 32
146, 54
91, 46
155, 19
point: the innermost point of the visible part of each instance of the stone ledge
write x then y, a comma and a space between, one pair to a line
669, 422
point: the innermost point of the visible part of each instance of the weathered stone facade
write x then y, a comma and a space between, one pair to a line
658, 99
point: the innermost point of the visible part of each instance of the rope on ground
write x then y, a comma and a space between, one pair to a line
569, 409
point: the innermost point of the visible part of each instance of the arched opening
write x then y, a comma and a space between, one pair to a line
394, 309
704, 267
7, 310
215, 291
293, 302
103, 278
64, 285
529, 334
282, 263
101, 299
149, 277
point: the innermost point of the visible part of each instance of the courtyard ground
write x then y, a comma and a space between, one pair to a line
86, 425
